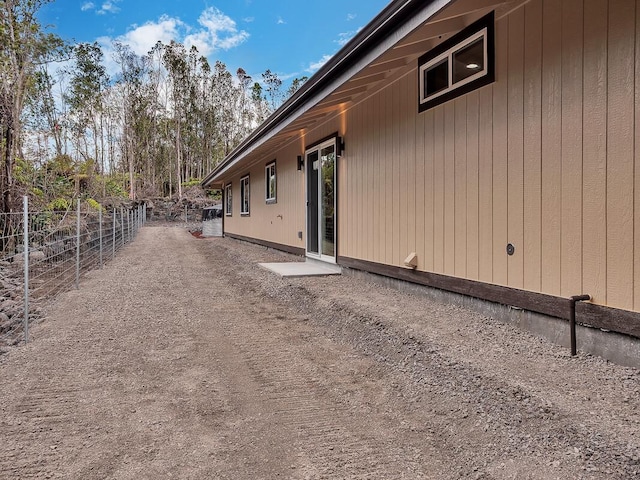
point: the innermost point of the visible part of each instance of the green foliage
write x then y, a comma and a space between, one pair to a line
296, 83
23, 172
94, 204
59, 204
215, 194
162, 122
114, 188
193, 182
61, 165
87, 167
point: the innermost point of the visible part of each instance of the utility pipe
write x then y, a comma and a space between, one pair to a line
572, 318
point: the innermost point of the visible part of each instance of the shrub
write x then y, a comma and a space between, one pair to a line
58, 204
93, 204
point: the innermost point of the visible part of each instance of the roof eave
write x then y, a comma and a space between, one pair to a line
397, 14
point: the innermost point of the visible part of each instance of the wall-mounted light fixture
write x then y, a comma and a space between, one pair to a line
300, 162
339, 146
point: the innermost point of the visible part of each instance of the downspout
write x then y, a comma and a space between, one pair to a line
572, 318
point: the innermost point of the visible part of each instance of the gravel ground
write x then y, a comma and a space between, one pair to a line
183, 359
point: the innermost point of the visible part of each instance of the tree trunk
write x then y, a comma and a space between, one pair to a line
7, 168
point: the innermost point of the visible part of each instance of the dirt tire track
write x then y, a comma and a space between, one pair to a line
183, 359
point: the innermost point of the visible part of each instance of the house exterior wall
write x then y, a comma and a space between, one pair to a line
544, 159
277, 222
264, 223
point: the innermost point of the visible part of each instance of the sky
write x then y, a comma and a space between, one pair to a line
291, 38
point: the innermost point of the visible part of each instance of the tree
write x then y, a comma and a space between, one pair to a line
44, 117
260, 106
133, 85
296, 83
88, 81
273, 84
165, 119
176, 65
23, 46
245, 123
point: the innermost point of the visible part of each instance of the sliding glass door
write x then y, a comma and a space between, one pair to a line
320, 165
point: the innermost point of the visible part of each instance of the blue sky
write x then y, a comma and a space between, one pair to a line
292, 38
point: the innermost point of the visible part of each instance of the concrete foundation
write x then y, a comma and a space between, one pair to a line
618, 348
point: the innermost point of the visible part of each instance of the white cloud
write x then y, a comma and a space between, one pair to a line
142, 38
280, 21
248, 19
219, 32
108, 7
351, 16
343, 38
216, 31
313, 67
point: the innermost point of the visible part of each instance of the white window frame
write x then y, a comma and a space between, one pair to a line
483, 29
228, 200
449, 56
270, 173
245, 191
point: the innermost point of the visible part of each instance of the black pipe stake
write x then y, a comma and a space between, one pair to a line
572, 318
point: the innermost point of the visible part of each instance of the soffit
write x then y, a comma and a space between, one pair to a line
391, 65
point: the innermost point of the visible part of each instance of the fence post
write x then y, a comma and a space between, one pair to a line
25, 201
113, 236
122, 226
100, 228
78, 246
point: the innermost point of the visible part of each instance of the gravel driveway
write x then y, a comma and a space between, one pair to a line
183, 359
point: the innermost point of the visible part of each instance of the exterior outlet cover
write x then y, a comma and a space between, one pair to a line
412, 260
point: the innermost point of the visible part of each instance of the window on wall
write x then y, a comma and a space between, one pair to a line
459, 65
244, 195
228, 205
270, 182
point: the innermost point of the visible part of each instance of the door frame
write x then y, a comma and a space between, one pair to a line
331, 140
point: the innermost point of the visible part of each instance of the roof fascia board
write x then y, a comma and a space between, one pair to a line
296, 106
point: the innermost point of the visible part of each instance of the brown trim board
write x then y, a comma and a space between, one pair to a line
276, 246
597, 316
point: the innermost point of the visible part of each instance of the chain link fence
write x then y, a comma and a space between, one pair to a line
45, 252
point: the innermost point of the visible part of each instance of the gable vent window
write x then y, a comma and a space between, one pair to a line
459, 65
